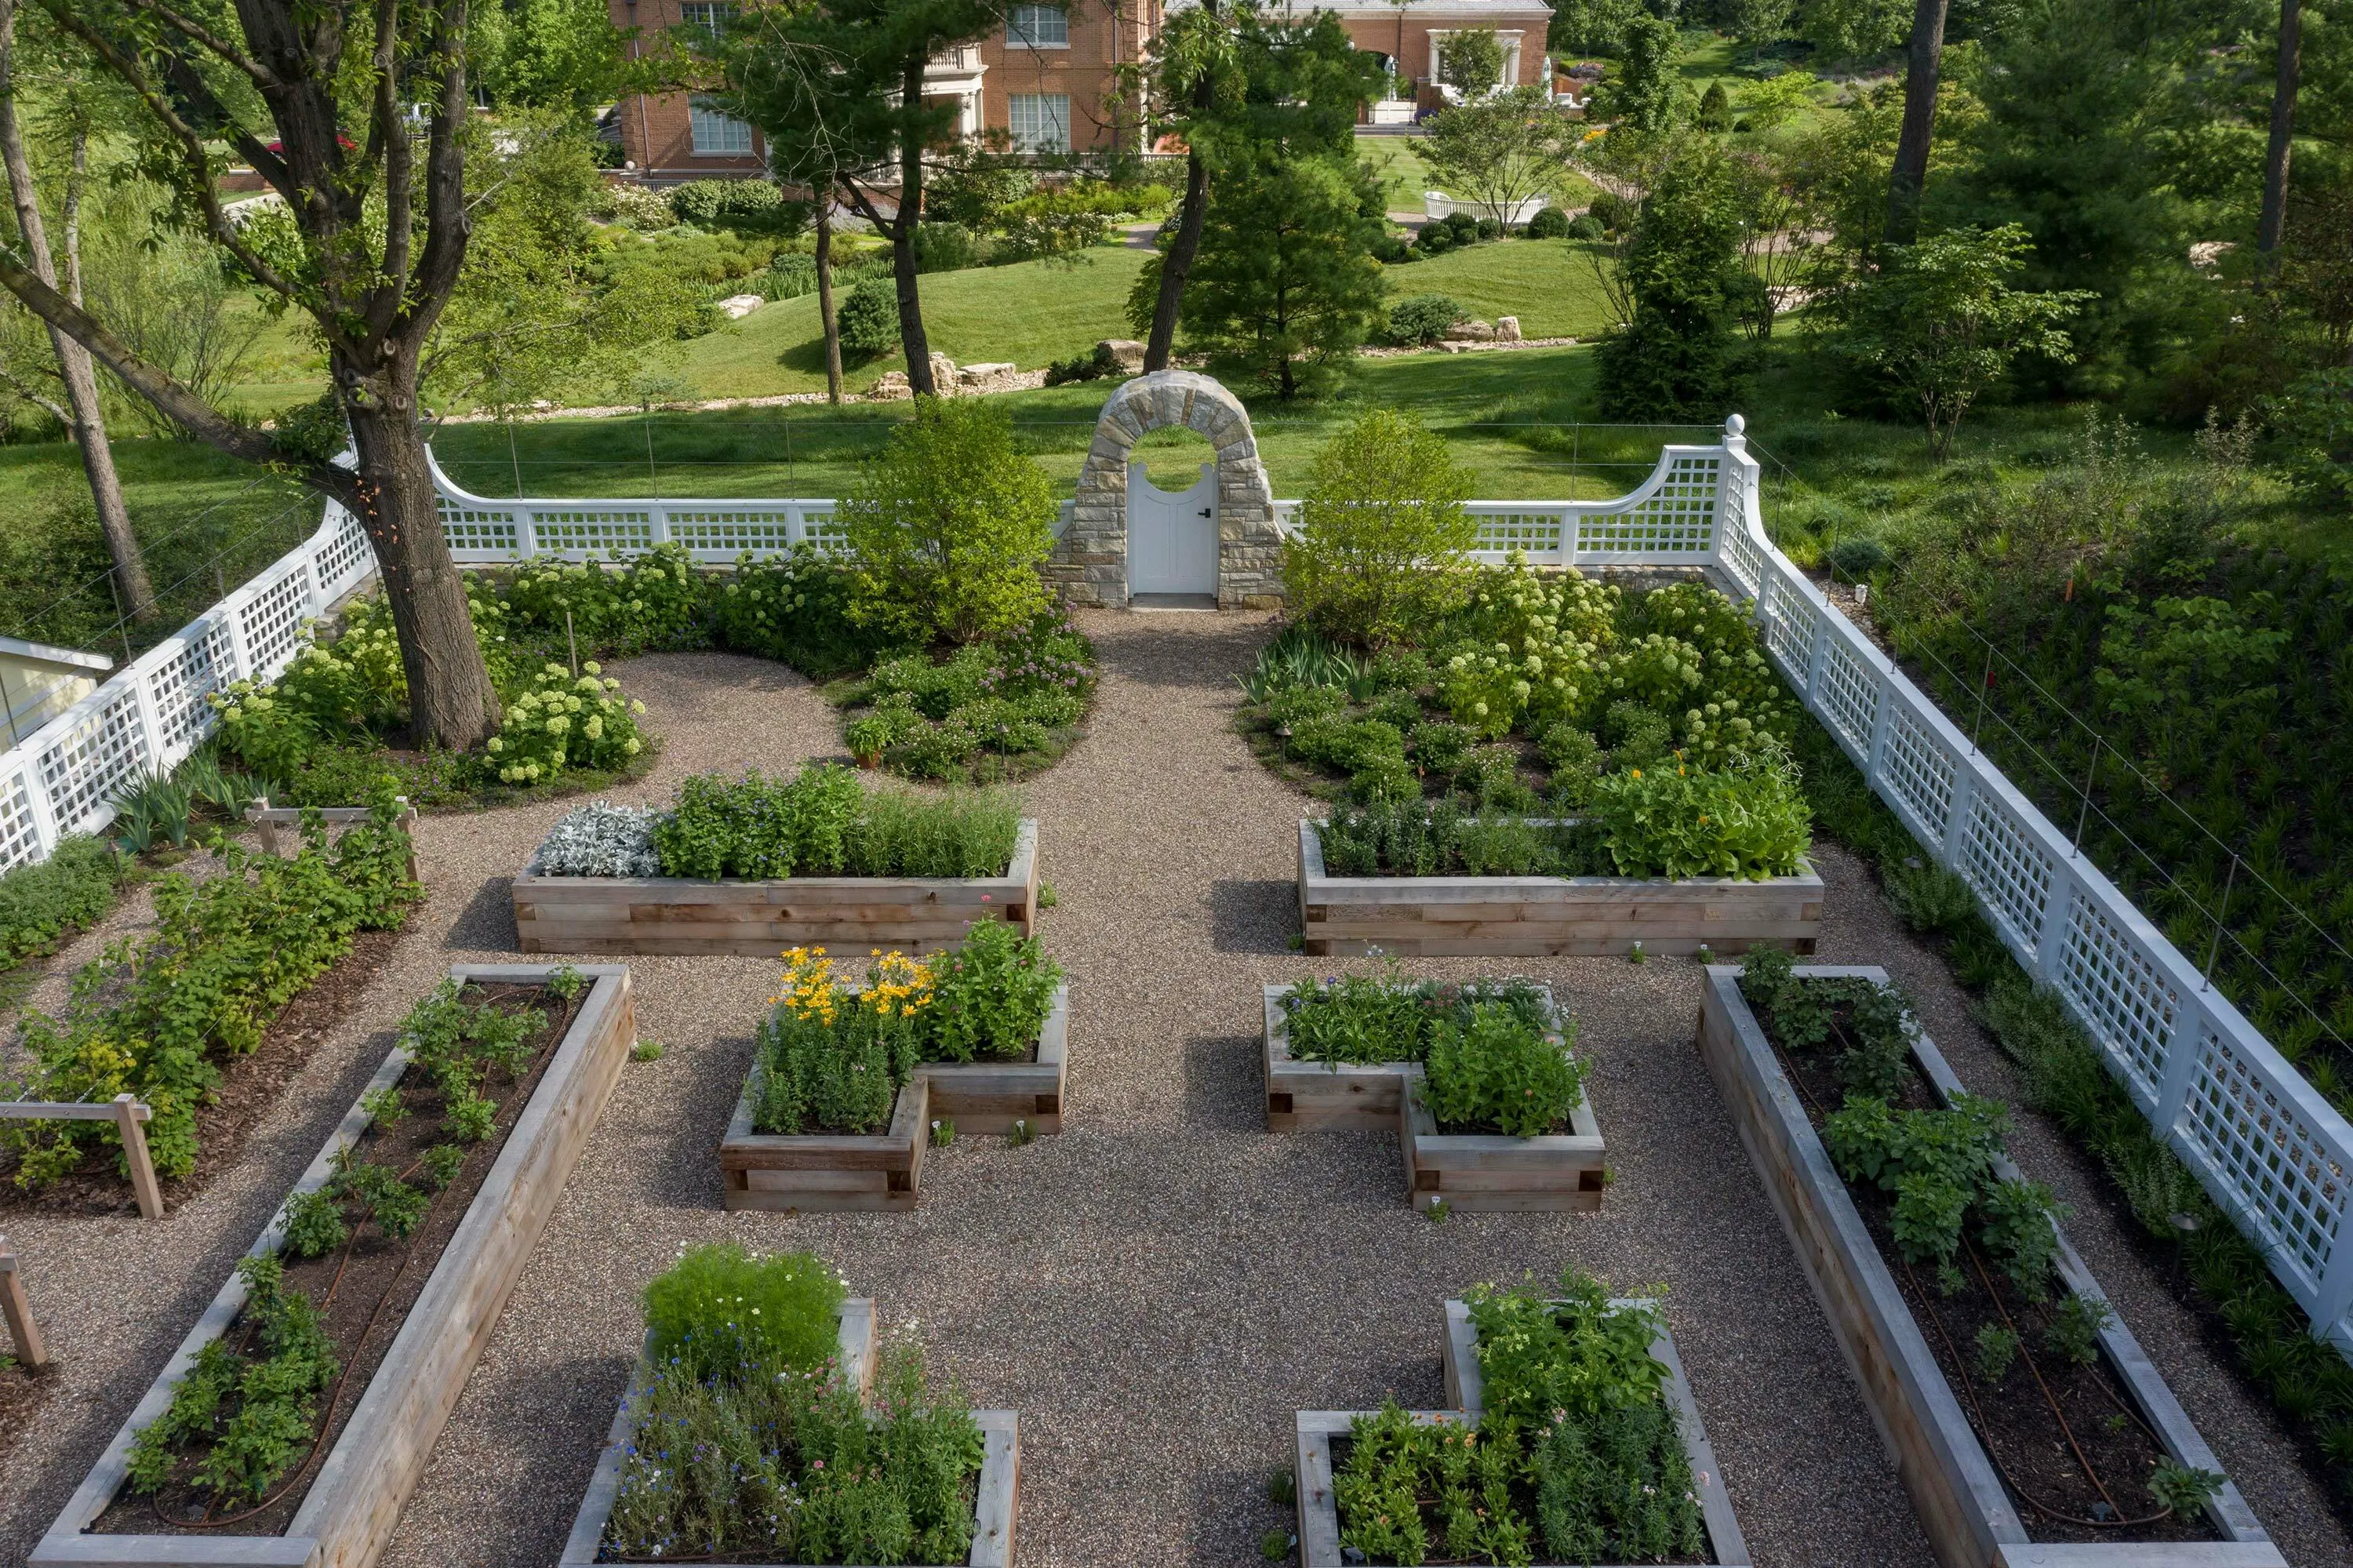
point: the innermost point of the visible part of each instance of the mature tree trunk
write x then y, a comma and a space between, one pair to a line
911, 341
1921, 71
1178, 263
825, 316
450, 701
2275, 156
74, 367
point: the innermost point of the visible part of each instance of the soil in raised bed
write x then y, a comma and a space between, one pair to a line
2040, 1458
248, 1090
366, 1291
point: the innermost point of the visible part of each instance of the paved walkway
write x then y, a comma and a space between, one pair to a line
1160, 1286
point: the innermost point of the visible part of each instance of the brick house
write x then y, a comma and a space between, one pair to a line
1046, 78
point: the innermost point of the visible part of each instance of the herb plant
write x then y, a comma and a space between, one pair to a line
1489, 1071
820, 822
720, 1308
1369, 1019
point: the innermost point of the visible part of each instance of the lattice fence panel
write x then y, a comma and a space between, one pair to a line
345, 557
1918, 771
272, 621
1538, 533
2259, 1144
594, 533
2007, 871
472, 529
1849, 695
825, 531
20, 840
105, 751
1742, 558
761, 533
1678, 518
179, 685
1789, 629
2119, 993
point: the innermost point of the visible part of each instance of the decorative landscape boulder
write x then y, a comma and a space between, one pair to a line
1507, 329
738, 306
1474, 331
1126, 352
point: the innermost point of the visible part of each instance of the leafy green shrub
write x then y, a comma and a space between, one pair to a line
947, 528
1749, 821
1491, 1072
1371, 1019
1615, 213
1434, 239
1548, 222
1423, 318
1857, 557
719, 1309
556, 723
1575, 758
1088, 365
709, 201
1439, 745
794, 610
1489, 778
1345, 745
868, 319
1384, 540
227, 953
655, 601
989, 998
943, 750
821, 824
45, 902
1585, 225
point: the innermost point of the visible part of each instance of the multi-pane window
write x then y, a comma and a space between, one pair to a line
718, 135
1038, 27
1041, 122
710, 16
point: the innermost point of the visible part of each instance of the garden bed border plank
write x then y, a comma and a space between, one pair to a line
1495, 1174
692, 916
814, 1172
1961, 1501
1549, 917
351, 1503
1466, 1386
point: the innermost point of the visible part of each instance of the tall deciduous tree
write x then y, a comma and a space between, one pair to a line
858, 65
1923, 66
1471, 61
1499, 151
1192, 70
81, 412
2287, 67
316, 95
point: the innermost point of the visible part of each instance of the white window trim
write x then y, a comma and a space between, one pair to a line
751, 137
1011, 42
1068, 141
1509, 37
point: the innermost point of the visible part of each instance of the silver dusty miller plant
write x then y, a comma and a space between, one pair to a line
602, 839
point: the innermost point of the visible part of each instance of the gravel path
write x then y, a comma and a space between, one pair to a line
1160, 1286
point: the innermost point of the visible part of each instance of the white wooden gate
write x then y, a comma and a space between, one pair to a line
1172, 536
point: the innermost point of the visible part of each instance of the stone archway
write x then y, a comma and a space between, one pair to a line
1089, 563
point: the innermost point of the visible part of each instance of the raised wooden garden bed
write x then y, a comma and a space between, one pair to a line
992, 1536
1319, 1514
1971, 1519
1549, 917
356, 1493
760, 919
1469, 1172
812, 1171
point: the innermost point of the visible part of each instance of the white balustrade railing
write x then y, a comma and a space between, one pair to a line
151, 712
2269, 1149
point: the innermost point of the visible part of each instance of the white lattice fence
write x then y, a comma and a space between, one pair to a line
483, 531
151, 712
2270, 1150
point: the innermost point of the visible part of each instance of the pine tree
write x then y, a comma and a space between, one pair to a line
1285, 286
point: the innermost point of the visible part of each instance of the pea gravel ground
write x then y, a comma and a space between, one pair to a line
1160, 1286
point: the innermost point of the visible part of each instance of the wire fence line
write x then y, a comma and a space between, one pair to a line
2079, 789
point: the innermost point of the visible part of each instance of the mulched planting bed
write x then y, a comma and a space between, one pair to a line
2071, 1447
365, 1288
249, 1087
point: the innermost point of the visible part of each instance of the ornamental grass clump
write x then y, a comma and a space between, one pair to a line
1575, 1457
1365, 1020
750, 1446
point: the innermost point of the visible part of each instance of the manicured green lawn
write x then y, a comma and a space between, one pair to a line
204, 520
1549, 285
1509, 416
1397, 164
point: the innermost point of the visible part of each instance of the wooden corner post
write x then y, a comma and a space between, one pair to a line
128, 1114
23, 1333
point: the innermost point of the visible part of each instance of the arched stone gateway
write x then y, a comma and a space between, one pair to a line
1089, 565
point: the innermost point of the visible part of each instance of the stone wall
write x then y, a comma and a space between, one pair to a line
1089, 563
